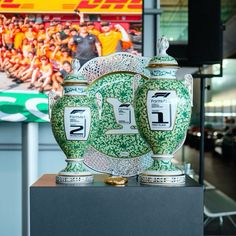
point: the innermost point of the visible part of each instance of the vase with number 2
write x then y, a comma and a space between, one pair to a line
163, 111
72, 119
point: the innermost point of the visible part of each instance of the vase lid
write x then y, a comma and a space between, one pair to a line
162, 59
75, 79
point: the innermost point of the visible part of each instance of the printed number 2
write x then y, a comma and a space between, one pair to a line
76, 130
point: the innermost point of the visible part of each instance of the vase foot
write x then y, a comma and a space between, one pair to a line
162, 172
74, 173
74, 179
169, 180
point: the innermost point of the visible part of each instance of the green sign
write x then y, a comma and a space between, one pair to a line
23, 106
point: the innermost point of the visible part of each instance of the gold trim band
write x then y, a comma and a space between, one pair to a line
75, 83
163, 65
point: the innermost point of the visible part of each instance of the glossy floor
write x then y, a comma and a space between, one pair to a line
220, 172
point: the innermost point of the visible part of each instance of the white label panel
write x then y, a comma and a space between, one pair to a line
162, 107
77, 123
124, 114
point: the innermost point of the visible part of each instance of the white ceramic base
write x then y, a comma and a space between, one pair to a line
74, 179
162, 179
163, 172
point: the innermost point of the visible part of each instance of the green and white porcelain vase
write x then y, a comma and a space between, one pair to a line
72, 119
162, 112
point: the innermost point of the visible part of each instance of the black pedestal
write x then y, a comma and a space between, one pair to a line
103, 210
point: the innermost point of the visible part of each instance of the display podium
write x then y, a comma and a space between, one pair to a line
104, 210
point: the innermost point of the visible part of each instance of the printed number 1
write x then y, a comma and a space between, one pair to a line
160, 117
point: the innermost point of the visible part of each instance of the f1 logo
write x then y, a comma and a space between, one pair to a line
77, 111
160, 94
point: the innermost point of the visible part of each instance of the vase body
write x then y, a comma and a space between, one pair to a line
163, 112
72, 119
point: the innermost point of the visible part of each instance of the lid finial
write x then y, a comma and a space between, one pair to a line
162, 46
162, 59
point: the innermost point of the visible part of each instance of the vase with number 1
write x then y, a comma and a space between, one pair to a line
163, 111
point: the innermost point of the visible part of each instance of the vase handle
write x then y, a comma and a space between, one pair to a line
53, 96
99, 101
188, 82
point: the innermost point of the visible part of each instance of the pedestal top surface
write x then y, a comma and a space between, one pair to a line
49, 180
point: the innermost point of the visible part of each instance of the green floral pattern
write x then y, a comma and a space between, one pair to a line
116, 85
164, 142
161, 165
75, 167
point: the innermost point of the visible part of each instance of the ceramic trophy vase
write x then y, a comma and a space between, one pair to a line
72, 121
163, 111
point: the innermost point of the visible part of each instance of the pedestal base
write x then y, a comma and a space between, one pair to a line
162, 179
105, 210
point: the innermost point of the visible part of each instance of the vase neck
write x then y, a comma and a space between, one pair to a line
162, 73
76, 89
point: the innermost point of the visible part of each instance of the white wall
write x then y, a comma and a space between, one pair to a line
51, 160
10, 177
